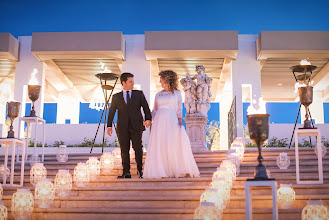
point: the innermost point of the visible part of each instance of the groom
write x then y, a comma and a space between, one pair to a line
130, 125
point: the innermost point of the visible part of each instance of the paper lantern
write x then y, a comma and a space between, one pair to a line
224, 173
63, 183
37, 173
3, 211
207, 211
34, 159
62, 155
94, 167
22, 204
44, 193
107, 162
228, 164
239, 149
223, 189
2, 172
323, 149
212, 195
283, 161
81, 175
315, 210
286, 196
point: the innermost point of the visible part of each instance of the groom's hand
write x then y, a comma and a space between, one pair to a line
109, 131
147, 123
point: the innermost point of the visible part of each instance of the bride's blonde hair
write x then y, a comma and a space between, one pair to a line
170, 77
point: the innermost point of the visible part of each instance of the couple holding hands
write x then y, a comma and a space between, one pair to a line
169, 151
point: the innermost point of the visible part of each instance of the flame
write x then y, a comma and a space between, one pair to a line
104, 68
6, 95
33, 79
261, 107
305, 62
297, 85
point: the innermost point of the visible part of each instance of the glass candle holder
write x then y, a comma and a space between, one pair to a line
37, 173
22, 203
63, 183
62, 155
44, 193
81, 175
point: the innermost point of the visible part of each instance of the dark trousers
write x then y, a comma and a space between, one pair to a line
136, 139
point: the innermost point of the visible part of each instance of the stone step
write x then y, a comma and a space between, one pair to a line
151, 214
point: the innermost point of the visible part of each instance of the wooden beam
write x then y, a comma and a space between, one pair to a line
321, 80
51, 91
226, 70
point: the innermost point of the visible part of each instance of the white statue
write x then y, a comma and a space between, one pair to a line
197, 95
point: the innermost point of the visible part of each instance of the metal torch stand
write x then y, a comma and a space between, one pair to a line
104, 78
305, 70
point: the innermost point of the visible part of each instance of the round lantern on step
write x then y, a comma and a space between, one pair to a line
323, 150
44, 193
2, 172
315, 210
107, 162
233, 156
224, 173
63, 183
62, 155
212, 195
34, 159
208, 210
37, 173
94, 167
81, 175
283, 161
22, 203
223, 189
228, 164
239, 149
3, 211
286, 196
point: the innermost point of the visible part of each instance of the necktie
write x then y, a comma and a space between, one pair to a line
128, 98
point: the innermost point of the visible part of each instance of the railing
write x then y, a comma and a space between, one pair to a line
232, 132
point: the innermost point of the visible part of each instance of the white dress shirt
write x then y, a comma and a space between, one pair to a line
125, 94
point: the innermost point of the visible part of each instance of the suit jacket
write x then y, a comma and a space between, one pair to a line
130, 112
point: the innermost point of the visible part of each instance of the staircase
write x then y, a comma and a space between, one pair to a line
110, 198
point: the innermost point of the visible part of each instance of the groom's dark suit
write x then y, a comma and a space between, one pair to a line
130, 125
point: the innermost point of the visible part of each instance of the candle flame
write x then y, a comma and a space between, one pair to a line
261, 107
33, 79
297, 85
104, 68
305, 62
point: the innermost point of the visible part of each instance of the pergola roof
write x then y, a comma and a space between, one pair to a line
8, 47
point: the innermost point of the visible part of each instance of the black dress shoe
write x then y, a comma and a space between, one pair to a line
125, 176
140, 173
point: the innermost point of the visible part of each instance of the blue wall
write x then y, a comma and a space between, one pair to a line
49, 112
22, 17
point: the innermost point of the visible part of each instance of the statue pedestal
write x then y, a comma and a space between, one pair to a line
196, 131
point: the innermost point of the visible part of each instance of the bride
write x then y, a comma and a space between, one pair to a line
169, 151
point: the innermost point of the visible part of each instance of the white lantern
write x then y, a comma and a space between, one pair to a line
117, 157
94, 167
230, 166
223, 189
44, 193
22, 204
212, 195
315, 210
3, 211
1, 191
239, 149
323, 149
2, 172
63, 183
207, 211
62, 155
283, 161
81, 175
233, 156
107, 162
286, 196
37, 173
224, 173
34, 159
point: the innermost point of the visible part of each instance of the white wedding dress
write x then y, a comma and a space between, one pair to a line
169, 151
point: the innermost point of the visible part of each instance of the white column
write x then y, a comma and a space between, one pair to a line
3, 127
316, 109
246, 70
137, 64
24, 67
68, 108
